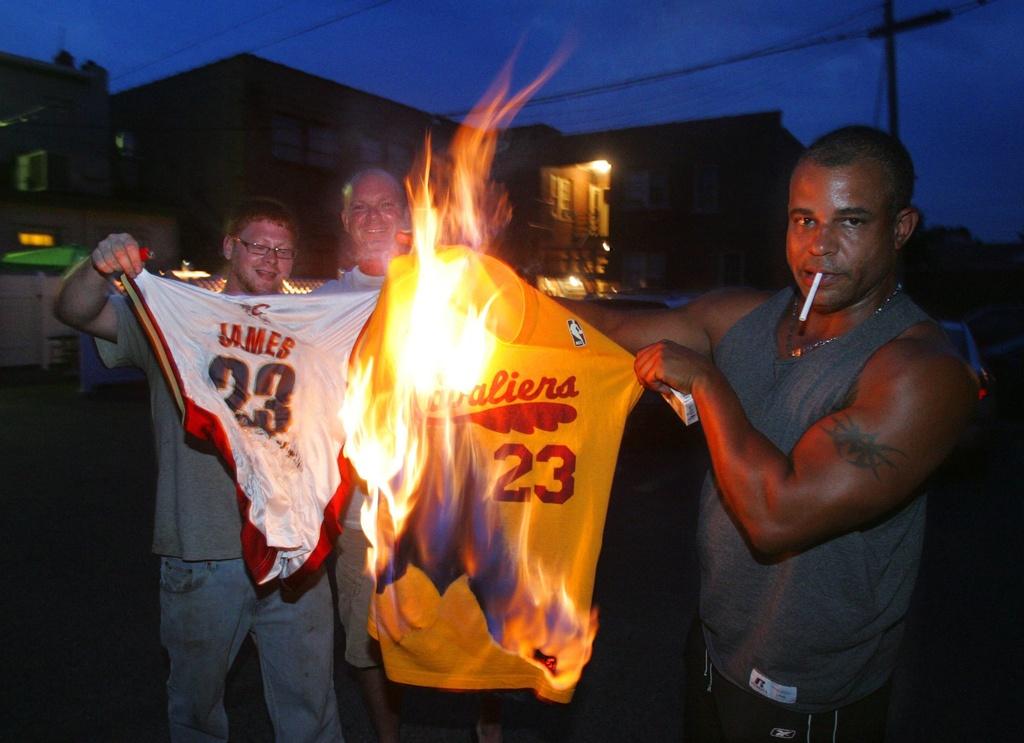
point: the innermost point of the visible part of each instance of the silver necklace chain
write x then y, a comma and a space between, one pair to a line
799, 351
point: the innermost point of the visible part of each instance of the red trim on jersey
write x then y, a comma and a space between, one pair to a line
201, 423
330, 526
156, 341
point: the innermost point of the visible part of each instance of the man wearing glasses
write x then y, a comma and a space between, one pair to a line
208, 602
265, 261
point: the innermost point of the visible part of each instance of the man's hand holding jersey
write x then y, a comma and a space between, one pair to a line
119, 253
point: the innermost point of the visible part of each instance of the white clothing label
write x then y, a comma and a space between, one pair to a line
576, 331
766, 687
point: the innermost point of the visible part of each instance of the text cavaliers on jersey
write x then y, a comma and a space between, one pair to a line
510, 403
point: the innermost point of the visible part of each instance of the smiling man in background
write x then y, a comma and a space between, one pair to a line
375, 215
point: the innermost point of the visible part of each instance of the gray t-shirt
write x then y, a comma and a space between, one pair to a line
819, 629
353, 280
197, 516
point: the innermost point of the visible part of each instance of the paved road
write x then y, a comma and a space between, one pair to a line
81, 659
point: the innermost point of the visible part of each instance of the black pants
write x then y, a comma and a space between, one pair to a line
718, 711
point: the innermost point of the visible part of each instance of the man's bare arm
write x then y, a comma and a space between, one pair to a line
849, 468
696, 325
84, 298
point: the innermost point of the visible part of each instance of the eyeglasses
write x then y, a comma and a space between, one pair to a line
259, 250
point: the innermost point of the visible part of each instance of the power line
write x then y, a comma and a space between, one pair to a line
194, 44
799, 43
321, 24
715, 91
701, 67
768, 51
285, 37
708, 97
676, 73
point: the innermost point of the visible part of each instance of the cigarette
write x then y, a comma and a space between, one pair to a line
810, 297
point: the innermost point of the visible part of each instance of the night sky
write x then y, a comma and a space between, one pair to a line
961, 83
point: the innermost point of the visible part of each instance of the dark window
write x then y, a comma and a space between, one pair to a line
298, 141
730, 269
705, 189
645, 189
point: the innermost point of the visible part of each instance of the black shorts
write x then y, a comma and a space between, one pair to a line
718, 711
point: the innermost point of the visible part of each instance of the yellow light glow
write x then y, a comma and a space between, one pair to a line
185, 275
187, 272
606, 246
601, 166
573, 281
36, 239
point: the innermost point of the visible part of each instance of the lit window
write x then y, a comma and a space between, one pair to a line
125, 144
561, 197
41, 171
36, 239
597, 211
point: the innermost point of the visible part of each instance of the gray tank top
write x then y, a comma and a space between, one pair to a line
820, 629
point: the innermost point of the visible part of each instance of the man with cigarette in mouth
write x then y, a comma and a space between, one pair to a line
208, 602
821, 432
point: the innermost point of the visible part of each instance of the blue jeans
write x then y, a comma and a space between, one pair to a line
206, 610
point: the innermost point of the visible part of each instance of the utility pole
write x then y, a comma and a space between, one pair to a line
890, 69
889, 30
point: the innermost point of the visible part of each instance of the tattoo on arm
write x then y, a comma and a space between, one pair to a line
859, 448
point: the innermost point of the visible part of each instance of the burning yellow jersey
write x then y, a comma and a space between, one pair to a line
485, 567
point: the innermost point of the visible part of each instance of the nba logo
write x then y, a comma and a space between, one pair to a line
576, 331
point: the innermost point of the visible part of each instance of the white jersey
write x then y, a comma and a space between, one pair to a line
262, 377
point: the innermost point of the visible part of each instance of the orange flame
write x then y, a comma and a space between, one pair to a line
430, 476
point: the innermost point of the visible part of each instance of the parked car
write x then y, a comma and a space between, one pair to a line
999, 332
643, 299
997, 324
960, 335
